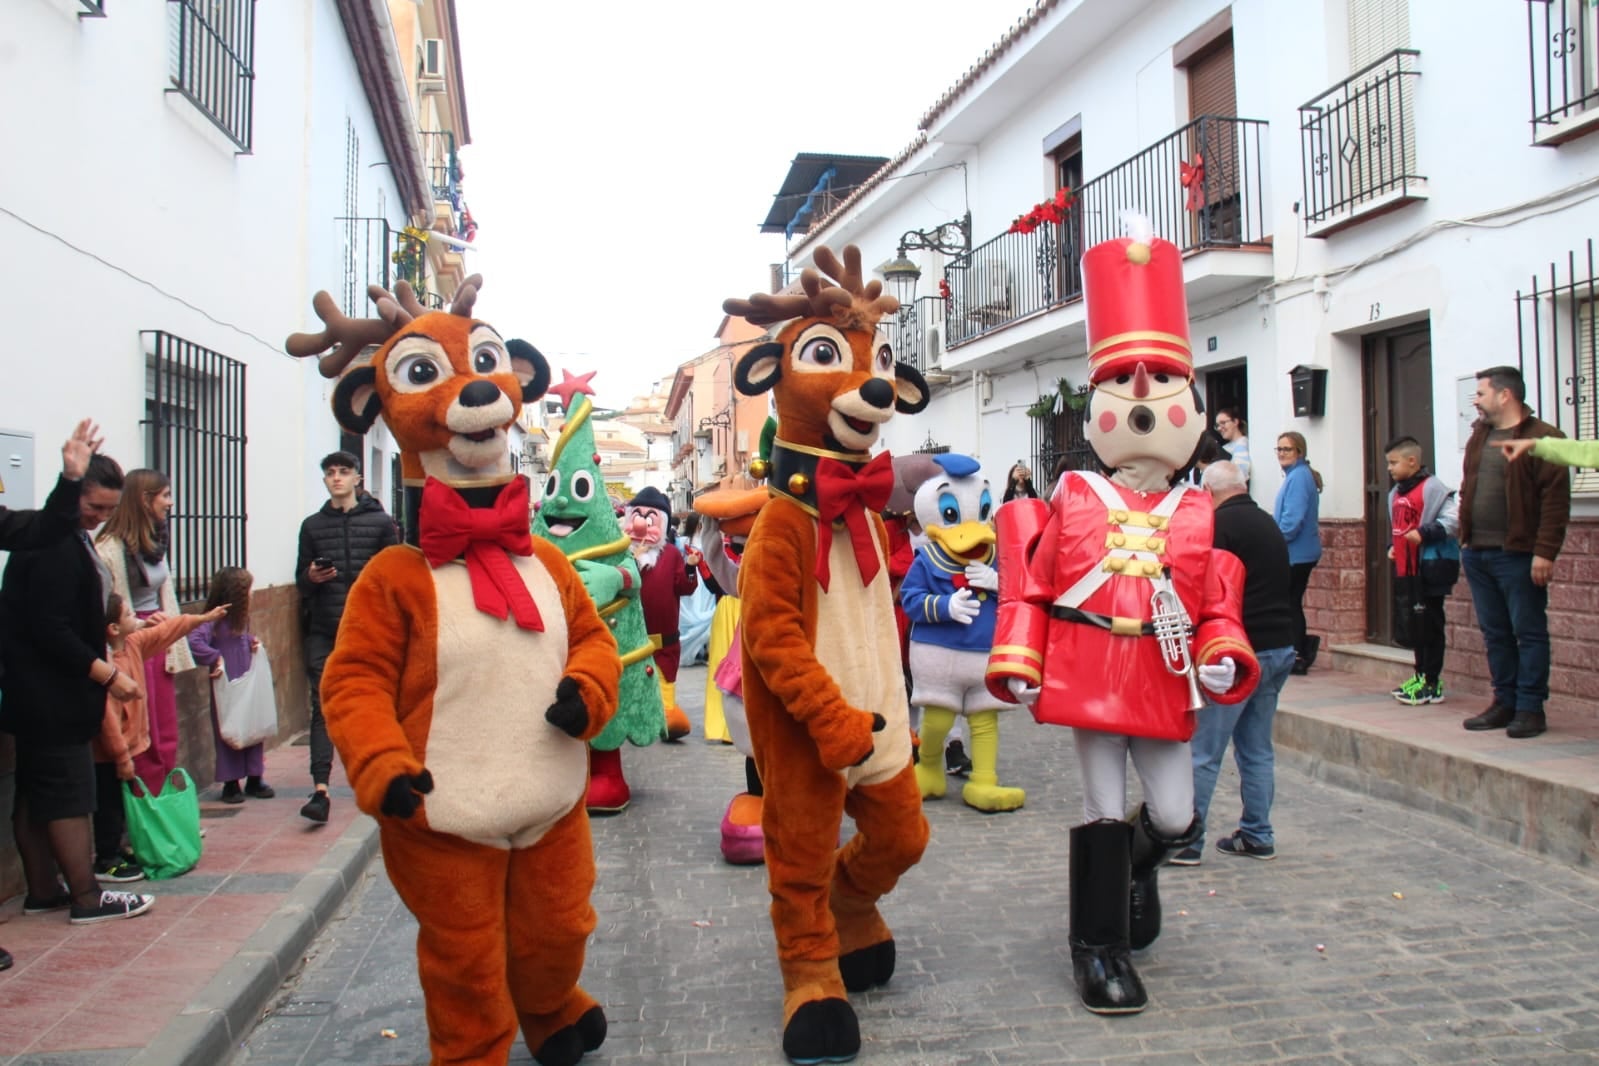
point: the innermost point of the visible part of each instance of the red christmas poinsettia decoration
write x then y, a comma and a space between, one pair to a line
944, 290
1052, 211
1193, 178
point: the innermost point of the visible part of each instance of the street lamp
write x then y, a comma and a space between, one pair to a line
951, 238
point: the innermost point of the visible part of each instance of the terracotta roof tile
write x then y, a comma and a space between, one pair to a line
988, 59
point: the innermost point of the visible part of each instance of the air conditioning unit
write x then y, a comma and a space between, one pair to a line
933, 347
433, 59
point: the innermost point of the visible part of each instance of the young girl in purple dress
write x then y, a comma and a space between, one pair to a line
229, 644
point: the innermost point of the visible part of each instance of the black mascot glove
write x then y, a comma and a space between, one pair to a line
404, 794
568, 713
878, 723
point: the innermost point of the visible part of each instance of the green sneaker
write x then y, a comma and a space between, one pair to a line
1404, 692
1424, 694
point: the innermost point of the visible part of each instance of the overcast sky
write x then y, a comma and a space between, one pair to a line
624, 153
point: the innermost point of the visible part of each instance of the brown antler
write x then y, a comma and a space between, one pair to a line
466, 296
405, 296
762, 309
348, 337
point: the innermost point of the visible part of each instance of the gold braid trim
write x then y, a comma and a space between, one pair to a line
847, 457
579, 416
638, 655
613, 607
618, 545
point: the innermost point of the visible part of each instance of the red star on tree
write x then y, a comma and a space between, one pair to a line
572, 384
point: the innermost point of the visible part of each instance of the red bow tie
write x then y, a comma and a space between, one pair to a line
842, 492
448, 527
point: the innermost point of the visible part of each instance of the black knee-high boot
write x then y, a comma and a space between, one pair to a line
1101, 877
1151, 851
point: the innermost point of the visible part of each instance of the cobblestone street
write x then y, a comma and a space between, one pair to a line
1379, 935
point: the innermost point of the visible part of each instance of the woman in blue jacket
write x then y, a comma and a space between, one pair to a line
1297, 513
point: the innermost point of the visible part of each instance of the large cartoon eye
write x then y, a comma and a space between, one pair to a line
553, 485
419, 370
885, 358
985, 506
821, 352
582, 485
949, 509
489, 359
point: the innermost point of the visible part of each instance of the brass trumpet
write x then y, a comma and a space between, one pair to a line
1173, 628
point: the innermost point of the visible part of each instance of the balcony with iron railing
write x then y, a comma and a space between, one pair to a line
443, 168
1359, 145
1563, 59
915, 333
1201, 187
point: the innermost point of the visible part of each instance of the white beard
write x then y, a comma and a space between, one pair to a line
646, 555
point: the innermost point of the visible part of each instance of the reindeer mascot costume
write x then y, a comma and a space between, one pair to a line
1115, 611
823, 688
470, 669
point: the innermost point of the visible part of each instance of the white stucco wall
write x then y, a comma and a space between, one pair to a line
141, 216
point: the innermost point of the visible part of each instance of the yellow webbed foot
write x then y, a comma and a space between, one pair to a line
931, 780
992, 798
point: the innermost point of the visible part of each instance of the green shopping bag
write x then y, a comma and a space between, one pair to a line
164, 829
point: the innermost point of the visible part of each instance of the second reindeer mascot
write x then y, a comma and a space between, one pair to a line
1116, 612
471, 667
823, 688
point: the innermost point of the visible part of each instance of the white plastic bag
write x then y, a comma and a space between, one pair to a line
247, 710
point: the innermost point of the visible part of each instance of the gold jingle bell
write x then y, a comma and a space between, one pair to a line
759, 468
799, 484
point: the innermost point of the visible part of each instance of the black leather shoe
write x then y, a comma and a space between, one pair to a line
1497, 716
1106, 981
1300, 667
1526, 724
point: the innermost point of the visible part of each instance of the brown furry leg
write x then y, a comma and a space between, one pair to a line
547, 925
891, 834
456, 889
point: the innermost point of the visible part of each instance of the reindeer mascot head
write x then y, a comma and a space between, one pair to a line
823, 688
444, 646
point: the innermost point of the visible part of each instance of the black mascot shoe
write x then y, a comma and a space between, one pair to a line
824, 1030
566, 1047
867, 968
1106, 979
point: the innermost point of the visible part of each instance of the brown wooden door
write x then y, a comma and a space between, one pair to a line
1397, 393
1212, 91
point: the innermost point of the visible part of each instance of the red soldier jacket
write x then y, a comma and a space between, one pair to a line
1077, 577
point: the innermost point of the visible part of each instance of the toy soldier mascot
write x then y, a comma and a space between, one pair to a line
1116, 613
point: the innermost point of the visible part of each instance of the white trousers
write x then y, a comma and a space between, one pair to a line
1165, 769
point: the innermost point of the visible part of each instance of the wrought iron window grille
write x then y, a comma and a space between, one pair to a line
1563, 60
194, 428
1359, 137
443, 166
1557, 334
213, 60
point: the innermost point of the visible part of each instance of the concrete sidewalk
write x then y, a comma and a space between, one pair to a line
183, 984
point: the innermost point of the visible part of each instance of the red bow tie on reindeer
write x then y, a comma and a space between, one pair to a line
449, 388
845, 493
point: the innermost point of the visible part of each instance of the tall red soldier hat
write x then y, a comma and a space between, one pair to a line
1136, 307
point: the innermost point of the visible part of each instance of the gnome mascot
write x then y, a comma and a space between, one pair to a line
668, 576
1117, 616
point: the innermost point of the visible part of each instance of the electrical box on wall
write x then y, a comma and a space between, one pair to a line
1309, 390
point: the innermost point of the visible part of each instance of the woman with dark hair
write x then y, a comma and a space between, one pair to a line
1233, 428
1298, 512
133, 545
1019, 486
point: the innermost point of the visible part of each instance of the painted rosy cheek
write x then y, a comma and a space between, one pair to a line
1107, 422
1177, 415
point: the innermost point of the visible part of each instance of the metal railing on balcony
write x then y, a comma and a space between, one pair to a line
92, 9
1563, 54
1557, 332
443, 167
1201, 187
1359, 138
914, 333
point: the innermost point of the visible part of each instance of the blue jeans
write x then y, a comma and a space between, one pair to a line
1248, 726
1513, 615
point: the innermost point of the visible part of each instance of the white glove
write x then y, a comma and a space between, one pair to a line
982, 576
1219, 678
1021, 691
963, 607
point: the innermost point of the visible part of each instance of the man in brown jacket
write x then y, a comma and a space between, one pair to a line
1512, 524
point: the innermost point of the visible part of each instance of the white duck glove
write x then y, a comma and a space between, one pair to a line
982, 576
1021, 691
1219, 678
963, 607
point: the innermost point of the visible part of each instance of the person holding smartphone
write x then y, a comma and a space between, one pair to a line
336, 543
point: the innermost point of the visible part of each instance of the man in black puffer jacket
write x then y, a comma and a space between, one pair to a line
335, 545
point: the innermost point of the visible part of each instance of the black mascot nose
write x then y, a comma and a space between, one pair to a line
480, 394
878, 392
